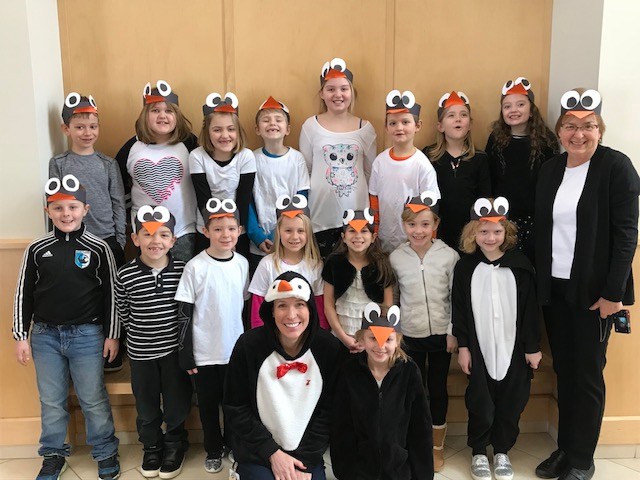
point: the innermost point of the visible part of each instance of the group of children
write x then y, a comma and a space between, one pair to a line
390, 229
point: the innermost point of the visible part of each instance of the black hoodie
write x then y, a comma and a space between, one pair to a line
291, 413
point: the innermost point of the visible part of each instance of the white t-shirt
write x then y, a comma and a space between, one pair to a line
275, 176
218, 289
223, 181
565, 206
393, 181
160, 175
266, 273
340, 165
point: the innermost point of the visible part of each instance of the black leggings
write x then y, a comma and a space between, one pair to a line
209, 382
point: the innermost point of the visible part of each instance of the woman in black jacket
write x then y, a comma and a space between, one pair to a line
586, 217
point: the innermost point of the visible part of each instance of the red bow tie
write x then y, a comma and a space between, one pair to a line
285, 367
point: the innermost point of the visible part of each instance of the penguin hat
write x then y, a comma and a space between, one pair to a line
358, 219
427, 200
490, 210
67, 188
382, 326
336, 68
581, 103
520, 86
162, 92
218, 208
76, 103
292, 207
151, 218
216, 103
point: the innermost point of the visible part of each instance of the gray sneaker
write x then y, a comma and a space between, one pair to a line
213, 464
502, 468
480, 468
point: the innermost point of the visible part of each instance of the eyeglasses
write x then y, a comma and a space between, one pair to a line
587, 127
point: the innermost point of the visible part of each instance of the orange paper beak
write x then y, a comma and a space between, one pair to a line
417, 208
152, 227
398, 110
334, 74
381, 334
292, 213
56, 197
153, 99
454, 99
86, 110
358, 225
493, 219
225, 108
271, 103
284, 286
580, 113
220, 215
518, 88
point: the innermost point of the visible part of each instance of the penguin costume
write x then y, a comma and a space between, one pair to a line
495, 316
381, 430
274, 401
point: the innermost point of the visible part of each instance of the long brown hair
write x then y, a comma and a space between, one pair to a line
181, 133
205, 140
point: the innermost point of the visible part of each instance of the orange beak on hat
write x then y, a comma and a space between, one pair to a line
148, 99
381, 333
284, 286
417, 208
332, 73
56, 197
580, 113
517, 89
152, 227
271, 103
88, 109
225, 108
454, 99
493, 219
398, 110
220, 215
292, 213
359, 224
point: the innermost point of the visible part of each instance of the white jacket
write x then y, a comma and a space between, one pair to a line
425, 288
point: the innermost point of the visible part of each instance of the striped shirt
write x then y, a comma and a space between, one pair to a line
147, 308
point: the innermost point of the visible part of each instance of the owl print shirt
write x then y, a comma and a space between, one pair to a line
340, 165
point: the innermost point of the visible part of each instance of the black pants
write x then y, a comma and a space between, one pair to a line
209, 387
327, 240
495, 406
578, 339
435, 374
150, 380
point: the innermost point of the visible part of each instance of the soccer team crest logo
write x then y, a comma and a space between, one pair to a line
83, 257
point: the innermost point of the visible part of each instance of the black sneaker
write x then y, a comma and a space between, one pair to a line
172, 462
52, 467
151, 462
109, 468
114, 366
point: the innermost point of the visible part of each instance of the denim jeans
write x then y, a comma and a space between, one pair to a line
61, 352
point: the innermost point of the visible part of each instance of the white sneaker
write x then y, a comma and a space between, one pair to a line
213, 464
480, 468
502, 468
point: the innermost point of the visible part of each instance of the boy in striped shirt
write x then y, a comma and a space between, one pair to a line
145, 290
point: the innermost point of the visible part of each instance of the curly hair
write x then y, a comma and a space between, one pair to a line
468, 236
540, 136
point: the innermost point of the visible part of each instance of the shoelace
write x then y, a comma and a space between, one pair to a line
52, 465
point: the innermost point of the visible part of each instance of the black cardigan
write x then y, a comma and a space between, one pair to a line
380, 433
607, 229
339, 272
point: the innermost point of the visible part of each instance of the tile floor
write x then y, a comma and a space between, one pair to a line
530, 449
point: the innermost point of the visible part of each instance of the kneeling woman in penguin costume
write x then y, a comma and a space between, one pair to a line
495, 319
279, 386
381, 423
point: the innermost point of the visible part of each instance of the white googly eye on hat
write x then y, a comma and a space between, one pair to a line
70, 183
393, 315
72, 100
325, 69
394, 97
347, 216
299, 201
283, 202
92, 102
231, 99
371, 312
464, 97
501, 205
408, 99
145, 213
213, 205
284, 107
570, 99
482, 207
161, 214
228, 205
52, 186
505, 88
525, 83
338, 64
590, 99
213, 99
368, 214
429, 198
163, 88
147, 89
443, 99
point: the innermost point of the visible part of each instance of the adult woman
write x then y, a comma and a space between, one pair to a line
278, 388
587, 216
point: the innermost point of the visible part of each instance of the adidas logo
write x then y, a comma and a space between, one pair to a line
47, 254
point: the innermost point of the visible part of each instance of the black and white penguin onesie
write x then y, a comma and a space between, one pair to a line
274, 401
495, 315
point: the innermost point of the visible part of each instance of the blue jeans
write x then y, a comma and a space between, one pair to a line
74, 350
251, 471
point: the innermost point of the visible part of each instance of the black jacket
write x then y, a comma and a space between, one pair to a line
607, 229
339, 272
381, 433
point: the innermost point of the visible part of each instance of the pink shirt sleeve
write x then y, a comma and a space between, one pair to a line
321, 316
256, 301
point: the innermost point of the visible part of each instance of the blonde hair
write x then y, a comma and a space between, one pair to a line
440, 147
408, 215
352, 105
399, 354
205, 140
468, 236
265, 111
181, 133
311, 253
